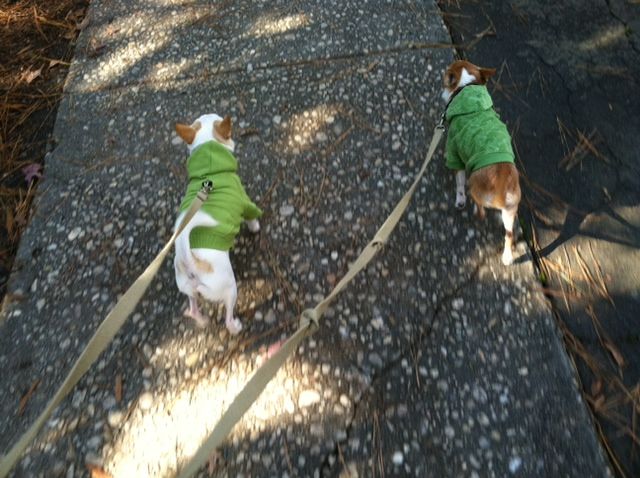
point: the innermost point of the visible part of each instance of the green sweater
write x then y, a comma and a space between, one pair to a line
476, 137
228, 202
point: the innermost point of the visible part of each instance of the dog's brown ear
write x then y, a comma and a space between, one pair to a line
486, 73
222, 129
186, 132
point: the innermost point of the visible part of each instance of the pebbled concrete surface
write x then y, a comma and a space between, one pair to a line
560, 78
438, 361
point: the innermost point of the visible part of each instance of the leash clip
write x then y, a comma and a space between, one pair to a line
207, 186
309, 318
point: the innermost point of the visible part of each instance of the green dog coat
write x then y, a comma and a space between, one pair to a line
476, 137
228, 202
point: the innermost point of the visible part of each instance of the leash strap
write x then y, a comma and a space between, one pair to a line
103, 336
309, 323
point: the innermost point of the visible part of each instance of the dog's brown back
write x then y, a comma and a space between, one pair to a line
496, 186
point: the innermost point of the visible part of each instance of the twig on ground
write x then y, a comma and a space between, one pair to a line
27, 396
584, 144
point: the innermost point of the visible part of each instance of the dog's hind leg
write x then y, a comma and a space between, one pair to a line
194, 312
478, 210
508, 218
461, 183
230, 297
187, 285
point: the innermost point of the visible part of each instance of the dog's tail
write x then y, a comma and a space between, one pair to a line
183, 248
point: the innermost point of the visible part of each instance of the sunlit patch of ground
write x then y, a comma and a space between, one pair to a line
158, 439
308, 128
267, 26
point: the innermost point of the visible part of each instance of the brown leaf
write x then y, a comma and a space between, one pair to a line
615, 353
97, 472
596, 387
25, 398
30, 75
118, 391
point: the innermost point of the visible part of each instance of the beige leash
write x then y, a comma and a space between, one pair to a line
103, 336
309, 322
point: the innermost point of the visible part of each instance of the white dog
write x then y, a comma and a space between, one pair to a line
202, 263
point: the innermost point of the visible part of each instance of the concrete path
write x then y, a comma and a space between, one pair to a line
438, 361
583, 195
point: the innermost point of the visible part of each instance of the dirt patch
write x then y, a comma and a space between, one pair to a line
37, 40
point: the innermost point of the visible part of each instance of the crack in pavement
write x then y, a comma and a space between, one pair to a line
379, 374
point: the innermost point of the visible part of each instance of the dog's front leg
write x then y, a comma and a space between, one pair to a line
508, 218
461, 196
253, 225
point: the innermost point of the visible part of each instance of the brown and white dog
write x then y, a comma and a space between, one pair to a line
494, 180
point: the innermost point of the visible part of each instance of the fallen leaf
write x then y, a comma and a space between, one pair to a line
118, 391
97, 472
25, 398
596, 387
30, 75
31, 172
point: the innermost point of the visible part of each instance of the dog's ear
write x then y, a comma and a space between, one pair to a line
222, 129
186, 132
485, 74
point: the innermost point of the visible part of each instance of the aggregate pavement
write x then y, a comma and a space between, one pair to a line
568, 69
437, 361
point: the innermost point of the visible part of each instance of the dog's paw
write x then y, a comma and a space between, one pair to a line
234, 326
507, 257
201, 320
254, 226
479, 212
461, 200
